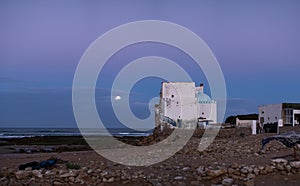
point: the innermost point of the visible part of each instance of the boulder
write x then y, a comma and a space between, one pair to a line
23, 174
295, 164
280, 160
37, 174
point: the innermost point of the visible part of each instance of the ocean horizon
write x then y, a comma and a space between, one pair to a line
8, 133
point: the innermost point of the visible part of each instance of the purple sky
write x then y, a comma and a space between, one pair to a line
41, 43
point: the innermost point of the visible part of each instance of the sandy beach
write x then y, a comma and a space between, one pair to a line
234, 158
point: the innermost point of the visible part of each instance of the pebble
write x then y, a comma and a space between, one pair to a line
215, 173
110, 180
57, 183
227, 181
178, 178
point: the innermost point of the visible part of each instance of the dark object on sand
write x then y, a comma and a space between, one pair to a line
38, 165
289, 139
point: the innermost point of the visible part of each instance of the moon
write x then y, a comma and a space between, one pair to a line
118, 98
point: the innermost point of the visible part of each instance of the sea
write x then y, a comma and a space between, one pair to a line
7, 133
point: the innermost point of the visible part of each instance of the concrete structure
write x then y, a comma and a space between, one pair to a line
183, 102
283, 114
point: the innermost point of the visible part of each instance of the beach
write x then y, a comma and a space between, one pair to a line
234, 158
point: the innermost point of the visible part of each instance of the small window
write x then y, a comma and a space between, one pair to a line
177, 102
275, 117
262, 112
268, 118
202, 113
172, 96
178, 116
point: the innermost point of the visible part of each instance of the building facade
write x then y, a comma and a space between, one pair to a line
283, 114
183, 101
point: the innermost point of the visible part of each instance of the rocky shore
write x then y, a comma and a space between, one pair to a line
234, 158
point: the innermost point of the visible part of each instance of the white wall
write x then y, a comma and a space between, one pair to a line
208, 111
270, 113
179, 100
244, 123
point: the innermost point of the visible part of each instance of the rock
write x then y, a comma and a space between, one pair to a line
37, 173
269, 168
227, 181
200, 170
57, 183
251, 176
261, 167
244, 170
295, 164
69, 174
280, 160
22, 174
215, 173
256, 171
49, 173
280, 167
28, 169
178, 178
288, 168
72, 179
230, 170
185, 168
89, 171
110, 180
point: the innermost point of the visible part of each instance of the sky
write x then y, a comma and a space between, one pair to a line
41, 43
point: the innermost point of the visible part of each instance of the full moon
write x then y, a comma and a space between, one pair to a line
118, 98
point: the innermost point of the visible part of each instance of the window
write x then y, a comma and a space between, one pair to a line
172, 96
262, 112
202, 113
288, 116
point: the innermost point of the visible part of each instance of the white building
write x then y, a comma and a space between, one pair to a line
244, 123
283, 114
183, 101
